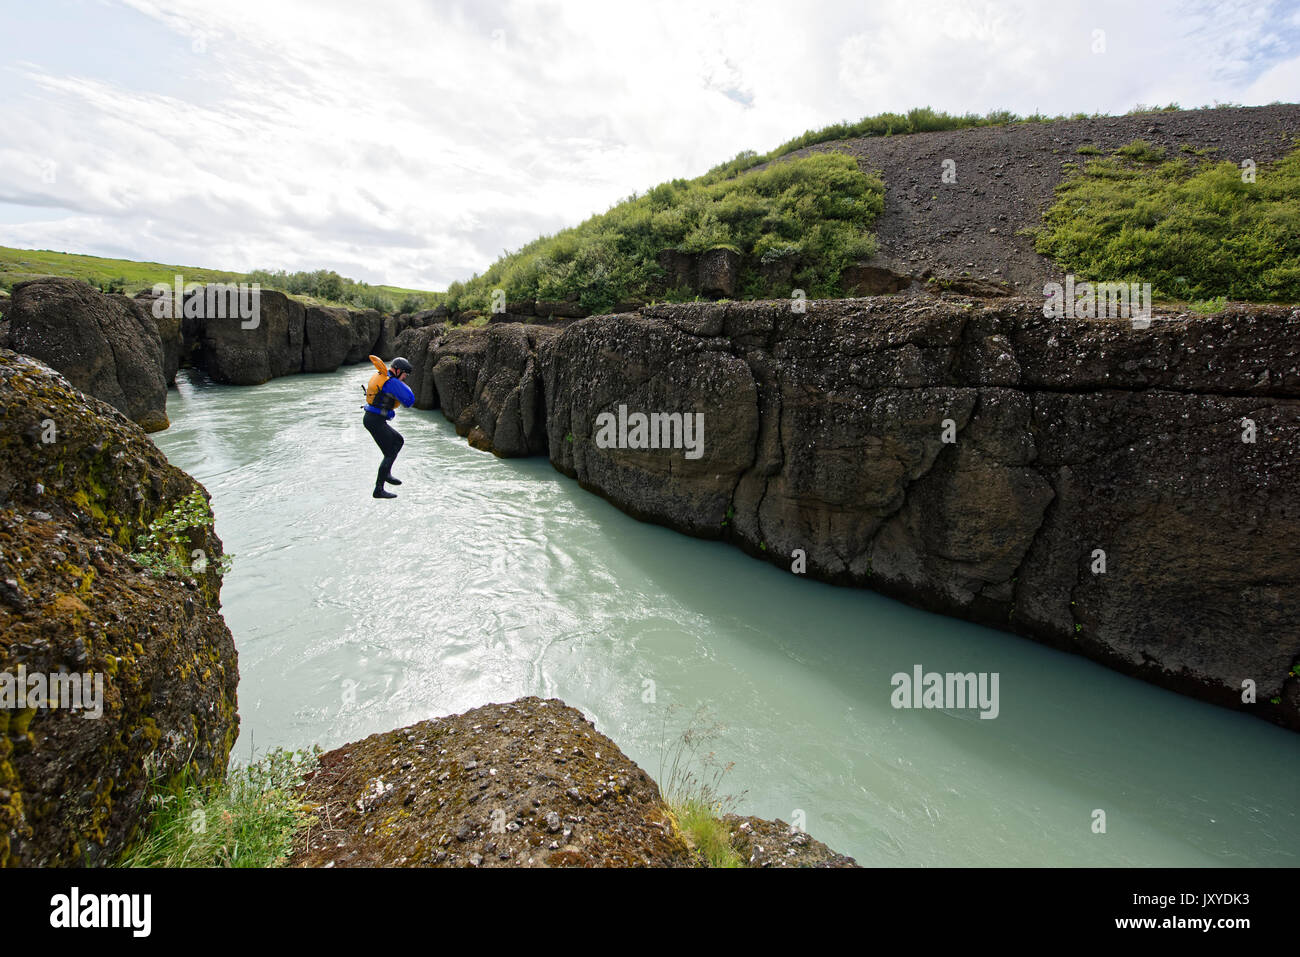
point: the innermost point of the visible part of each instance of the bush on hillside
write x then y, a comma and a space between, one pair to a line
1193, 229
818, 210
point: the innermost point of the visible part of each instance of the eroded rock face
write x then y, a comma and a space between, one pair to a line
239, 351
825, 435
107, 345
763, 843
490, 385
631, 364
530, 783
327, 338
719, 272
366, 326
393, 326
863, 279
78, 483
487, 381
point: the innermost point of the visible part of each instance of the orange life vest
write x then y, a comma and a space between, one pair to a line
377, 380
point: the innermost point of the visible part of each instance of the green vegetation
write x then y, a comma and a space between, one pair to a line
706, 833
1197, 230
327, 286
920, 120
249, 819
20, 265
168, 544
1140, 151
1210, 306
125, 276
813, 213
690, 780
611, 258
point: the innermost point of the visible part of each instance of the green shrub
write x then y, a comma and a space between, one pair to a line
329, 286
819, 209
1193, 229
167, 545
1210, 306
1141, 151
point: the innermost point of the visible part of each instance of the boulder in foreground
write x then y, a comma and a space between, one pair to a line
529, 783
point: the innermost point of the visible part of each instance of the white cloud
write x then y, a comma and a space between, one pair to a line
411, 142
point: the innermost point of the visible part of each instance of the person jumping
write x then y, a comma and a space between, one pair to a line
386, 388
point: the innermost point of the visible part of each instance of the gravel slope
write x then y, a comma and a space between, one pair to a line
1006, 177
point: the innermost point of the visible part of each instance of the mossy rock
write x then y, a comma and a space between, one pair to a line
78, 483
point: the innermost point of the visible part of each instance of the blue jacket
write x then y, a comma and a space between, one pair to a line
398, 390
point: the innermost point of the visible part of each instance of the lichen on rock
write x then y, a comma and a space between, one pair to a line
78, 483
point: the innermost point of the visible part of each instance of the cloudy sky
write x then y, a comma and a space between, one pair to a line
412, 141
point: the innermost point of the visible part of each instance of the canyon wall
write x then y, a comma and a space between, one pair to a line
1128, 494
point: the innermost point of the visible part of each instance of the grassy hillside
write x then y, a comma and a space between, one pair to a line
611, 257
124, 275
1194, 228
814, 213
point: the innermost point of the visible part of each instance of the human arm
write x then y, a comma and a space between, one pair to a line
400, 391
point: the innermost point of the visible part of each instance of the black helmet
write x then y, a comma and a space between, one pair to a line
401, 365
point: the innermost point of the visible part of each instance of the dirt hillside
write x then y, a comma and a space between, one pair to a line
1006, 176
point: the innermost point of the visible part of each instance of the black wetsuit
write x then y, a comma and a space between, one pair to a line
378, 413
388, 439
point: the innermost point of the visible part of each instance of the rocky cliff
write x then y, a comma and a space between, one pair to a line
107, 345
487, 381
1127, 494
530, 783
127, 352
78, 483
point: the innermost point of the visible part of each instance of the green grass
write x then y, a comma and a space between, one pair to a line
706, 832
815, 212
321, 287
1189, 226
690, 780
249, 819
1210, 306
20, 265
